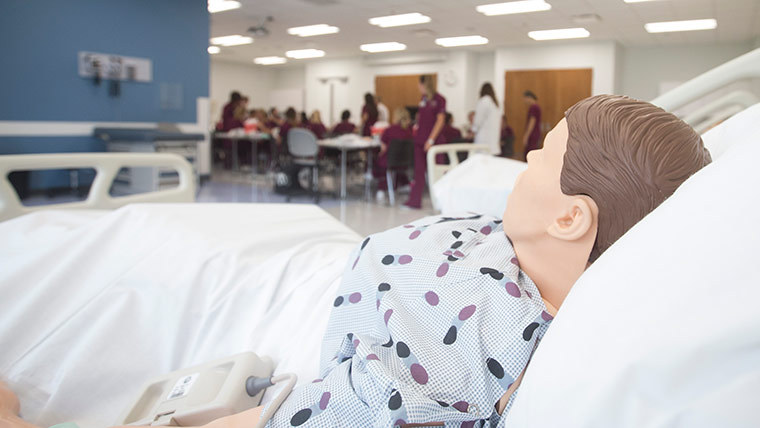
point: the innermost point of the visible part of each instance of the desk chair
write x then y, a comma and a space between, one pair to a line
400, 157
303, 148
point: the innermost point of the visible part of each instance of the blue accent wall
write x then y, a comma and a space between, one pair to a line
40, 41
39, 79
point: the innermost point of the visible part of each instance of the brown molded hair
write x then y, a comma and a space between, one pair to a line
628, 156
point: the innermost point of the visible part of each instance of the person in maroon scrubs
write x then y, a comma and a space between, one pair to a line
430, 119
369, 115
532, 136
315, 125
400, 130
450, 132
345, 126
229, 121
507, 140
291, 121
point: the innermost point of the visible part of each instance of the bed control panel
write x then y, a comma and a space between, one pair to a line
200, 394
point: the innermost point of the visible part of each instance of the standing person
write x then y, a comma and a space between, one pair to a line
532, 135
430, 119
383, 115
507, 138
487, 121
400, 130
345, 126
315, 125
228, 112
369, 115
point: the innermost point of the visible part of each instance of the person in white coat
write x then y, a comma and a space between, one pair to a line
487, 122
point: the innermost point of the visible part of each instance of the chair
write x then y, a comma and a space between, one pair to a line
303, 147
400, 157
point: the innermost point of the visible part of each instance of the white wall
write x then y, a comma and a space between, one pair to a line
599, 56
361, 79
648, 69
250, 80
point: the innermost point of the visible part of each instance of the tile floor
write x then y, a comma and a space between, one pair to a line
365, 217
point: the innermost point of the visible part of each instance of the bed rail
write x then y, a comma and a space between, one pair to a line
106, 166
746, 66
435, 172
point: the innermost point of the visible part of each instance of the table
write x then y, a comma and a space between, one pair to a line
253, 137
347, 143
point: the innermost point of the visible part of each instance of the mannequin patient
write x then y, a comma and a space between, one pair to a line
436, 321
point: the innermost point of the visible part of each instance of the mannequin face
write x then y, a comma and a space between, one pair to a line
537, 209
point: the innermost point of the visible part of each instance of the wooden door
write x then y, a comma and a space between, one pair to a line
556, 90
399, 91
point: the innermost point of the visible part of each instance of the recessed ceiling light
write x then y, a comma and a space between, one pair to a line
270, 60
305, 53
638, 1
233, 40
383, 47
313, 30
693, 25
398, 20
214, 50
563, 33
449, 42
513, 7
215, 6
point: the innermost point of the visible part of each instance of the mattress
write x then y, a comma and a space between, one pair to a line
94, 303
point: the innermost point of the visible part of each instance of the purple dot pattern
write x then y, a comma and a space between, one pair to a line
461, 286
383, 288
456, 324
503, 281
398, 411
419, 374
502, 378
396, 259
303, 415
347, 299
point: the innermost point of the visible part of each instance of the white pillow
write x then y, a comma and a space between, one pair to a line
664, 329
480, 184
739, 127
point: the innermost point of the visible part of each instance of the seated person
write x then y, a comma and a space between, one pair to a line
291, 121
507, 140
450, 132
400, 130
273, 119
345, 126
315, 125
436, 321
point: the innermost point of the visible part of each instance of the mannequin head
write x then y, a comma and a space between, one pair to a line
606, 165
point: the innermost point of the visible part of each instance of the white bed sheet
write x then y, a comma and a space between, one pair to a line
94, 303
481, 184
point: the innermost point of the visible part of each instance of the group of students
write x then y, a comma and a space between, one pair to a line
434, 125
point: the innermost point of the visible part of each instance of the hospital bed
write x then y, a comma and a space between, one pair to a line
661, 331
482, 184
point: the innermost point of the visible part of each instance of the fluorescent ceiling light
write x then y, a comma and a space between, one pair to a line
564, 33
693, 25
215, 6
449, 42
383, 47
398, 20
233, 40
313, 30
214, 50
637, 1
270, 60
305, 53
513, 7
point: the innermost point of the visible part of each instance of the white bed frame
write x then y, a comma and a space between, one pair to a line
106, 166
746, 66
435, 171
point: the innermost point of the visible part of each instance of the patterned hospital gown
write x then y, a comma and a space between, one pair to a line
433, 322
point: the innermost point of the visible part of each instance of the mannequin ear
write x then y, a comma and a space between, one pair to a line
576, 221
